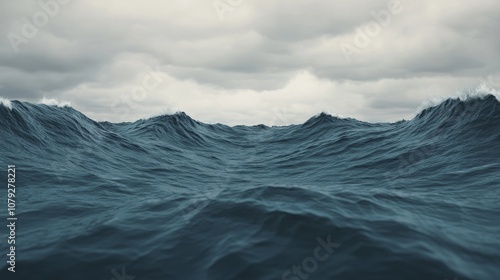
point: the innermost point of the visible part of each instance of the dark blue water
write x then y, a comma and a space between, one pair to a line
173, 198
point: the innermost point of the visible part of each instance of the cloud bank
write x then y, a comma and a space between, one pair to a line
247, 62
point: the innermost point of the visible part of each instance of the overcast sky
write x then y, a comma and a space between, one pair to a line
247, 61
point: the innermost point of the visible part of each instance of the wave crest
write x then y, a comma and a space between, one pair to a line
6, 102
54, 102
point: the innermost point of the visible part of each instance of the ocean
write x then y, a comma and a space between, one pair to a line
333, 198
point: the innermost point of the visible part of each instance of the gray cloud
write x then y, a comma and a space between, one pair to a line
264, 55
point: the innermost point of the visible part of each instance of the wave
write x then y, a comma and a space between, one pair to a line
173, 197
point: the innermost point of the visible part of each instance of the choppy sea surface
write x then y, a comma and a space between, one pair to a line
173, 198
